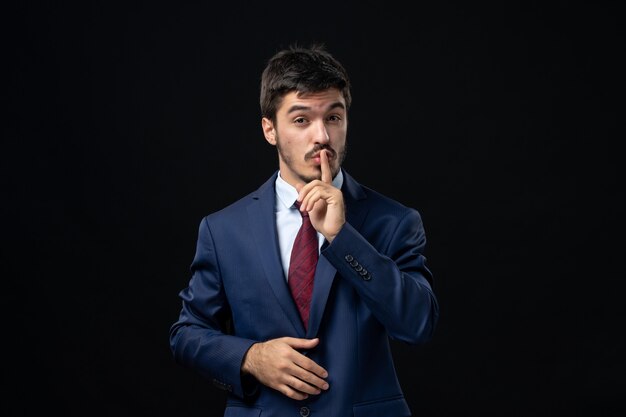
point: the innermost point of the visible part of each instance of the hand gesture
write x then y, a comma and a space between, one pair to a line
278, 365
323, 202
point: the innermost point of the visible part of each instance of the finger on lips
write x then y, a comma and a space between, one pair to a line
326, 176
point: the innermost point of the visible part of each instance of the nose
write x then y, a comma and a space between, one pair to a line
321, 133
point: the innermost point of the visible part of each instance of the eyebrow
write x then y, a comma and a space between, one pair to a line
305, 108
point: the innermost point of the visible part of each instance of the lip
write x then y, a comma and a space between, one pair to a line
317, 157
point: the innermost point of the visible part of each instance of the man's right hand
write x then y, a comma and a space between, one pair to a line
277, 364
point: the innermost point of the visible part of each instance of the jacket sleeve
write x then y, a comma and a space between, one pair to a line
393, 281
200, 339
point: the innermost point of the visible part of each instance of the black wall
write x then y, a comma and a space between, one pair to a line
127, 123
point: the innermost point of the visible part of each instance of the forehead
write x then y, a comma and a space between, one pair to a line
317, 101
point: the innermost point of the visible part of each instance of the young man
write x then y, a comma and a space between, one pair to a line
321, 348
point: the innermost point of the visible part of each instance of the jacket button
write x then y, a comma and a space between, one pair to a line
305, 412
348, 258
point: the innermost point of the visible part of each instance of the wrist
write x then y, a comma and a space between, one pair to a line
330, 237
247, 363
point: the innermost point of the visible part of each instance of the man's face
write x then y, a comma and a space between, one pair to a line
306, 124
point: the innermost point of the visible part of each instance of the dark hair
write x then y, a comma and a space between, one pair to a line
305, 70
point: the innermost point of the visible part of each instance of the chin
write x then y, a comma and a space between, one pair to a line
309, 176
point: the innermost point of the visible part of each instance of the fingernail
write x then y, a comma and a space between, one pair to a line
325, 386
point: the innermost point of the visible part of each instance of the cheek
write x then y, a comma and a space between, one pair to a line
292, 148
338, 141
339, 133
294, 143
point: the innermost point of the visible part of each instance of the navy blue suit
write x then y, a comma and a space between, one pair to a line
371, 284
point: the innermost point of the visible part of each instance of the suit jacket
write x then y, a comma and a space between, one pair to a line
371, 284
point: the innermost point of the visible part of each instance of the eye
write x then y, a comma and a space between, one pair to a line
334, 118
299, 120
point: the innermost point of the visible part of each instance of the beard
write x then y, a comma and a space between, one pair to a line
288, 159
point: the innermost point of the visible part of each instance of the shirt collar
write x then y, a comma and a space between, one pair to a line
286, 194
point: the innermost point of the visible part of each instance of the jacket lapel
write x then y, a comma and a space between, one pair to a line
265, 236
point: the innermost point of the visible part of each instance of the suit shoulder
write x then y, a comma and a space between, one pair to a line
238, 208
385, 204
235, 208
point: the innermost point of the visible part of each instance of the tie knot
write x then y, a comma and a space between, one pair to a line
302, 213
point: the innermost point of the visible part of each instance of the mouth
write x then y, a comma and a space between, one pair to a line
316, 156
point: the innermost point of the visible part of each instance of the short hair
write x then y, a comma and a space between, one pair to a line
301, 69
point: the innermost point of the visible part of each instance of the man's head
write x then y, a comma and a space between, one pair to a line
305, 70
305, 97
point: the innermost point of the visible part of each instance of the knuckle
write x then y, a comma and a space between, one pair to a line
303, 387
308, 380
302, 375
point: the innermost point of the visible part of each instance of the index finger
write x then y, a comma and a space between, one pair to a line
327, 176
310, 365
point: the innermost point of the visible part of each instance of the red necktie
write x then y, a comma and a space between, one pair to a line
302, 266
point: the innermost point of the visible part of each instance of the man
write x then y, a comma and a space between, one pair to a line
240, 325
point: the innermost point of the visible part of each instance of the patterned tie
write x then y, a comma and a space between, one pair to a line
302, 266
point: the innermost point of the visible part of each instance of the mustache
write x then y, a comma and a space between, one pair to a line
319, 148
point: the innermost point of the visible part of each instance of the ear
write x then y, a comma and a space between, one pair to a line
269, 131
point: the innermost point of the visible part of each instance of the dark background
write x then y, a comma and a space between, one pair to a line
127, 123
